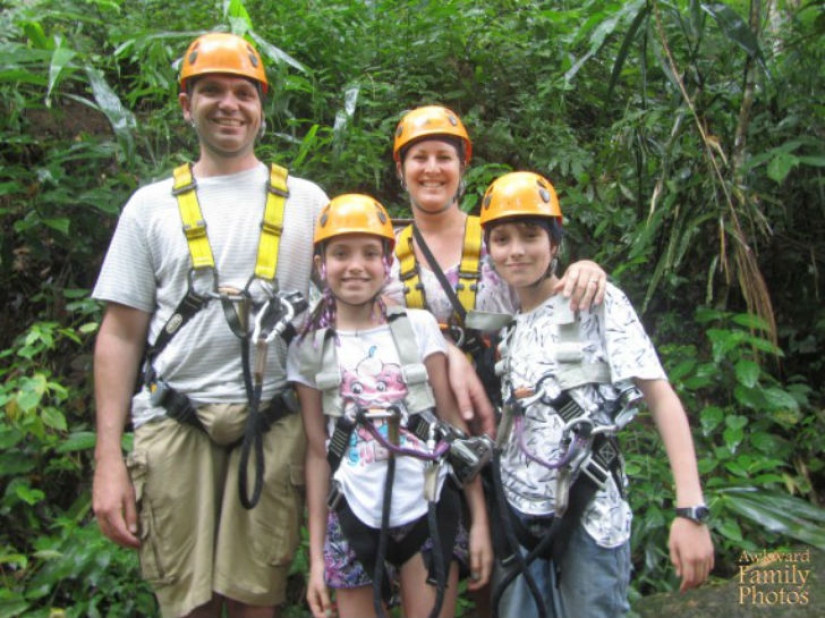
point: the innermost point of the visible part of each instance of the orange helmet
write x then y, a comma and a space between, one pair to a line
353, 213
430, 121
519, 194
220, 52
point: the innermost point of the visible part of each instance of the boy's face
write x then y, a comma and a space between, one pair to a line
522, 252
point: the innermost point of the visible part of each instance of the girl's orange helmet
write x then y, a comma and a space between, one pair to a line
220, 52
430, 121
353, 213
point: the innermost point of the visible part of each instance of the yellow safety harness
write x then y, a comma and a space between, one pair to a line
236, 306
195, 227
468, 270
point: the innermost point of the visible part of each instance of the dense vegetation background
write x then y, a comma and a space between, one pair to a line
685, 139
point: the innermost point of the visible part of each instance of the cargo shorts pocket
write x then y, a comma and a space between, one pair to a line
279, 515
149, 552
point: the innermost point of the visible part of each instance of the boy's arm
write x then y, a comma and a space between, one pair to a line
481, 549
317, 485
691, 548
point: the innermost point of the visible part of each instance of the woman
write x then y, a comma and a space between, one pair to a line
456, 283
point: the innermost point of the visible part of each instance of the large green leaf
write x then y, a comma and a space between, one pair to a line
736, 29
777, 512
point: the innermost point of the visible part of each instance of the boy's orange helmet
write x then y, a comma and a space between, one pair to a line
430, 121
520, 194
353, 213
220, 52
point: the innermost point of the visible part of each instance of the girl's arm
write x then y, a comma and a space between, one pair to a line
691, 548
481, 549
317, 486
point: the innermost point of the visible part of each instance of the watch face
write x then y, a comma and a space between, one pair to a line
701, 513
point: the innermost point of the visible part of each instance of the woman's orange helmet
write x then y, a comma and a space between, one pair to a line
353, 213
520, 194
220, 52
430, 121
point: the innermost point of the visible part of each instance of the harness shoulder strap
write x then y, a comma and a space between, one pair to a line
408, 271
194, 226
468, 270
272, 225
419, 393
573, 371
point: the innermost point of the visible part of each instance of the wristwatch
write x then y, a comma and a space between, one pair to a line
698, 514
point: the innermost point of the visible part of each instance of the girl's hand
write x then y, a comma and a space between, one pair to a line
317, 593
481, 556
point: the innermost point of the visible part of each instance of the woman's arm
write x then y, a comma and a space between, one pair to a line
481, 549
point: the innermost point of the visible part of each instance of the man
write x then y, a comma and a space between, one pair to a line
207, 238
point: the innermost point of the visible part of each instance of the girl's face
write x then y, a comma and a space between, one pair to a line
354, 267
521, 252
431, 171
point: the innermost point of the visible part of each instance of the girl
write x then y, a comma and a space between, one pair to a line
565, 379
367, 378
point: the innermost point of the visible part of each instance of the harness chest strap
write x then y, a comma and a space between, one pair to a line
571, 372
468, 270
320, 360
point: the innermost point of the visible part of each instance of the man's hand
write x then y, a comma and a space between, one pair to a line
113, 501
473, 404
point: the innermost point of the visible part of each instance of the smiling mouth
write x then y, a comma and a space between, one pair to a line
227, 122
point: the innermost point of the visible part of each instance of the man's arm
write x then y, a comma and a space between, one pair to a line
118, 353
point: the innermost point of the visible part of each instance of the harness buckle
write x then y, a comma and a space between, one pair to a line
596, 470
189, 186
468, 456
211, 293
335, 495
159, 390
272, 228
276, 190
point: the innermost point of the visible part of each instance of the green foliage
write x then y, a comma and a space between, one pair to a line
684, 138
756, 438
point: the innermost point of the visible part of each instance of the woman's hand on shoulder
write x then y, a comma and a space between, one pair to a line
584, 283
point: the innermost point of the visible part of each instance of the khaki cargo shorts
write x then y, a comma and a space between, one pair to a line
196, 537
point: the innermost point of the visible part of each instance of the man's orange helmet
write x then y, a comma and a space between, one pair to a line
353, 213
430, 121
220, 52
520, 194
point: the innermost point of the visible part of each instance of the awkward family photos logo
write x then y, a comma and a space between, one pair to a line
774, 578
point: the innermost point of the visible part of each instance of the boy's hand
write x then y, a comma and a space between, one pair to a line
691, 552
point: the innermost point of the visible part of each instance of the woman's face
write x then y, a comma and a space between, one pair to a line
431, 171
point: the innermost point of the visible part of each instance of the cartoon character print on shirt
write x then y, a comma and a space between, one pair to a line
377, 386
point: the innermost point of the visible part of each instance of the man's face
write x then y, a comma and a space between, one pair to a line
226, 112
